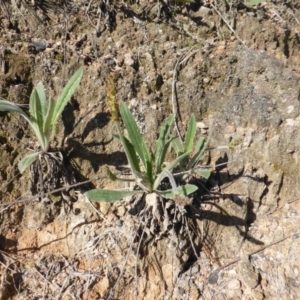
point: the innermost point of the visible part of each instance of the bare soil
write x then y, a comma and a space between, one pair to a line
236, 67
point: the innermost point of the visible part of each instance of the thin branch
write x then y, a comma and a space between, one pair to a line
174, 98
190, 237
136, 265
52, 192
228, 25
215, 272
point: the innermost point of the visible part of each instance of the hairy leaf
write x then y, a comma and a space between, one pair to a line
252, 2
177, 146
163, 143
37, 118
198, 155
136, 137
35, 108
184, 190
190, 134
11, 107
26, 161
130, 153
42, 97
108, 195
205, 173
185, 1
47, 126
165, 173
66, 94
169, 168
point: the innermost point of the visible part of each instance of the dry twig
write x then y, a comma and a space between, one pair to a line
215, 272
228, 25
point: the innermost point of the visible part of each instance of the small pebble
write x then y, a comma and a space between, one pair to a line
257, 295
40, 45
181, 291
195, 269
234, 284
120, 223
128, 59
248, 274
213, 278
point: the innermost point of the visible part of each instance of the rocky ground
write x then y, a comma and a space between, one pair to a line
235, 66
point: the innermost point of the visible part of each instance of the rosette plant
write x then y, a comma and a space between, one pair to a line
43, 114
149, 170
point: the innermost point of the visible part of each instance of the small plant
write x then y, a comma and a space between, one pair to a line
149, 170
185, 1
252, 2
42, 117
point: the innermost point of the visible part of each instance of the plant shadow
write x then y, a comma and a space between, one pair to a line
75, 147
219, 215
81, 150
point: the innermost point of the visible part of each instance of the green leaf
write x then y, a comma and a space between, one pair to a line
37, 118
66, 94
25, 162
177, 146
142, 180
35, 108
184, 190
130, 153
190, 134
168, 168
205, 173
149, 172
162, 143
185, 1
200, 148
136, 137
109, 195
11, 107
165, 173
42, 96
252, 2
48, 118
